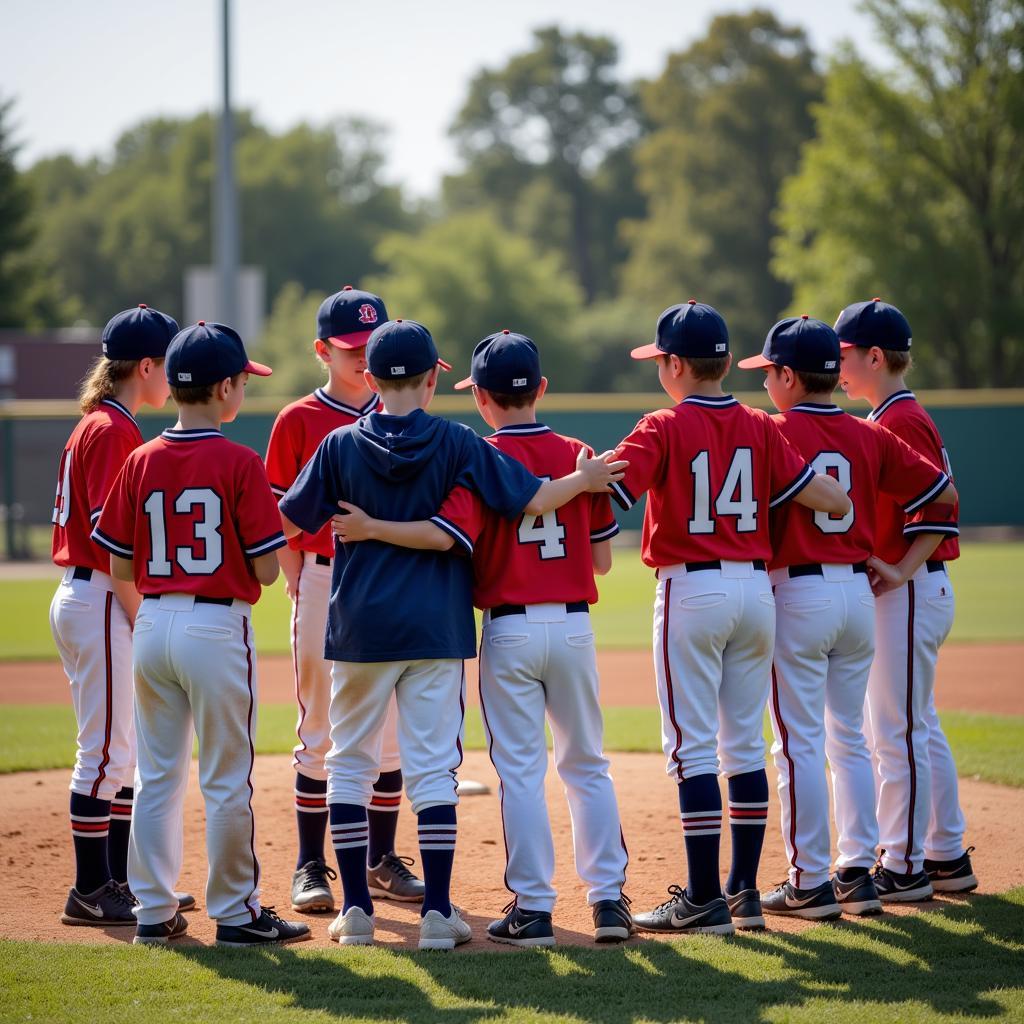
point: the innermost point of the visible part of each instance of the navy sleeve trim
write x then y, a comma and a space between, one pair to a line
266, 545
111, 545
946, 529
460, 536
95, 514
790, 492
605, 533
278, 490
620, 492
939, 485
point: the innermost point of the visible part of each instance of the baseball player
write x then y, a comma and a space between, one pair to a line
344, 323
91, 614
713, 469
825, 622
405, 624
534, 579
921, 826
192, 519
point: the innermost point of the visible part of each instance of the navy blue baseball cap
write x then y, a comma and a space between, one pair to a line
866, 324
401, 348
690, 329
347, 318
801, 343
138, 333
207, 353
506, 363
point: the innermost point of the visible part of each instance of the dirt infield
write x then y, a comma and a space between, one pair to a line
971, 677
35, 850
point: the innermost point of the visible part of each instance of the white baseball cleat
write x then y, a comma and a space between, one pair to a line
353, 927
440, 932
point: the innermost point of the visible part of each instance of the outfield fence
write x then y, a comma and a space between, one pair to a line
983, 432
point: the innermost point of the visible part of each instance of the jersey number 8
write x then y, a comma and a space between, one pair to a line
837, 466
205, 530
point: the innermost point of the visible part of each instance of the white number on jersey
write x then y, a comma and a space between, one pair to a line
946, 464
206, 531
735, 498
62, 501
549, 534
837, 466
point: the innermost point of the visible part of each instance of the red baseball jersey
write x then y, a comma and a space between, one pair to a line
867, 460
295, 437
533, 559
905, 417
713, 469
191, 508
89, 464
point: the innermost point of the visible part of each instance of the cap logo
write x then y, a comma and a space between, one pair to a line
830, 364
720, 346
519, 382
367, 314
187, 377
398, 369
104, 348
910, 341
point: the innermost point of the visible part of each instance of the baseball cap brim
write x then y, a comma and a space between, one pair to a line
754, 363
357, 339
257, 368
466, 382
646, 352
847, 344
443, 364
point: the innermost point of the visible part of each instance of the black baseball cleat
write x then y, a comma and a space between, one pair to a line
745, 909
817, 904
678, 914
952, 875
893, 887
858, 897
108, 905
186, 901
311, 888
522, 927
612, 920
267, 930
160, 934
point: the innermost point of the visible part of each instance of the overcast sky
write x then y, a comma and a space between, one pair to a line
81, 71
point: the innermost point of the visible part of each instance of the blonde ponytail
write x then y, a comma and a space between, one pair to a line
102, 381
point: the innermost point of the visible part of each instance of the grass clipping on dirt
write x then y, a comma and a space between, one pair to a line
961, 961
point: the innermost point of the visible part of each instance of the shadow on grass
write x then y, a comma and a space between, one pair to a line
948, 962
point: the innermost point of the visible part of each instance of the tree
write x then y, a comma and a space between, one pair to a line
536, 134
287, 343
729, 115
467, 277
914, 188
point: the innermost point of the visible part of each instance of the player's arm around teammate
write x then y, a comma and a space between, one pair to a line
921, 825
92, 613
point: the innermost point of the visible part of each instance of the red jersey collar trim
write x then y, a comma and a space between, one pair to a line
351, 410
522, 428
898, 396
816, 409
115, 404
195, 434
710, 403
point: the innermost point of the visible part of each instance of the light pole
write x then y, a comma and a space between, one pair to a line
225, 234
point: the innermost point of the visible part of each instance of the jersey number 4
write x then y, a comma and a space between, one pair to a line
205, 531
735, 498
546, 531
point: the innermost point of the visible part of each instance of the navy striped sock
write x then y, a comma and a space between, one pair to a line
90, 828
348, 835
700, 808
383, 814
120, 830
437, 831
748, 815
310, 817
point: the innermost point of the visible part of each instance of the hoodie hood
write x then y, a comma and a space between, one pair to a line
398, 447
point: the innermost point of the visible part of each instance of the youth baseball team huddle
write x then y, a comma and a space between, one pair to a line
801, 562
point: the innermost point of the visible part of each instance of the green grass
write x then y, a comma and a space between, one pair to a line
40, 736
949, 965
989, 583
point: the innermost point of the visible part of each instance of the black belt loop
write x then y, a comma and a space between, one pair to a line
322, 560
935, 566
82, 573
501, 610
716, 563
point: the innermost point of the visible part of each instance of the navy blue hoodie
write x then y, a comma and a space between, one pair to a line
390, 603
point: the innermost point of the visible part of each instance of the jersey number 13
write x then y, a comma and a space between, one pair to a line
205, 531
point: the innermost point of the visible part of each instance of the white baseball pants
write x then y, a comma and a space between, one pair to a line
824, 642
313, 677
713, 637
195, 664
917, 793
94, 640
544, 662
431, 698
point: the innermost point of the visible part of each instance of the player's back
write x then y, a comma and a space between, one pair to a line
713, 467
193, 509
92, 458
908, 420
867, 461
540, 559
